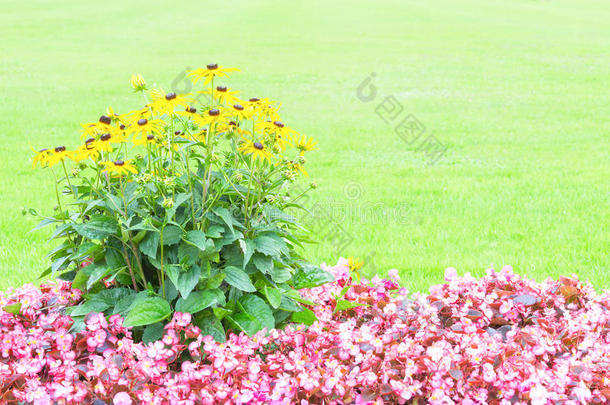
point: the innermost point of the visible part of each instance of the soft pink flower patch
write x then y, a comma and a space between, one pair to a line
501, 339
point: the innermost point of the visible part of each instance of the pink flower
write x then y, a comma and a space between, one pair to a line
122, 398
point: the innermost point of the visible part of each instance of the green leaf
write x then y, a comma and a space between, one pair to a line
258, 308
273, 295
148, 311
264, 264
306, 316
200, 300
309, 276
185, 281
220, 312
225, 215
98, 272
197, 239
244, 322
216, 280
153, 332
280, 274
12, 308
239, 279
99, 227
270, 244
44, 222
150, 244
247, 247
89, 306
289, 305
343, 305
215, 231
210, 325
171, 235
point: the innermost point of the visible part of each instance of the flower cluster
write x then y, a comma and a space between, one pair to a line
500, 339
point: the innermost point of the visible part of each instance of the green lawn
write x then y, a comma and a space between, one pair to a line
518, 91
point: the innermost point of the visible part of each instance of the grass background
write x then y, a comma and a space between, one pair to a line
518, 91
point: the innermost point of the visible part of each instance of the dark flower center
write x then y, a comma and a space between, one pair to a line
221, 88
105, 137
214, 112
170, 96
122, 126
238, 107
254, 100
233, 123
258, 145
119, 163
89, 140
278, 124
191, 110
104, 119
60, 149
142, 121
212, 66
150, 137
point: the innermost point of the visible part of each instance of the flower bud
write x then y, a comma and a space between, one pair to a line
313, 185
168, 203
137, 82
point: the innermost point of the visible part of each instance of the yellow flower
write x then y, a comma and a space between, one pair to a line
224, 95
119, 168
354, 264
88, 150
59, 154
167, 103
104, 144
143, 139
145, 126
210, 72
41, 157
211, 116
297, 167
102, 126
189, 112
256, 149
264, 108
277, 128
137, 82
304, 144
240, 112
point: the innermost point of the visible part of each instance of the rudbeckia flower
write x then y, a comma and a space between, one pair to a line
257, 149
264, 108
305, 144
210, 72
145, 126
59, 154
223, 94
137, 82
278, 129
119, 168
189, 112
102, 126
143, 139
88, 150
41, 157
240, 112
211, 116
167, 103
104, 144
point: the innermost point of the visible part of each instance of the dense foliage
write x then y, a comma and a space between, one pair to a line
182, 206
501, 339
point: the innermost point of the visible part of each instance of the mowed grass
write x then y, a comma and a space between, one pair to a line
518, 92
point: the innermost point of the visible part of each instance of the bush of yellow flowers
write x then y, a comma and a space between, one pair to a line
182, 206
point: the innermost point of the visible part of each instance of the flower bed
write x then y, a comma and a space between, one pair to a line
498, 339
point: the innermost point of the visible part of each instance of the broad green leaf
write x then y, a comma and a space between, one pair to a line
220, 312
270, 244
244, 322
343, 305
185, 281
225, 215
215, 231
197, 239
210, 325
200, 300
258, 308
148, 311
288, 304
171, 235
99, 227
305, 316
264, 264
309, 276
12, 308
98, 273
247, 247
153, 332
280, 274
44, 222
239, 279
150, 244
273, 295
216, 280
89, 306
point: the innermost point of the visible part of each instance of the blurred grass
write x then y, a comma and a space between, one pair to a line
517, 91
